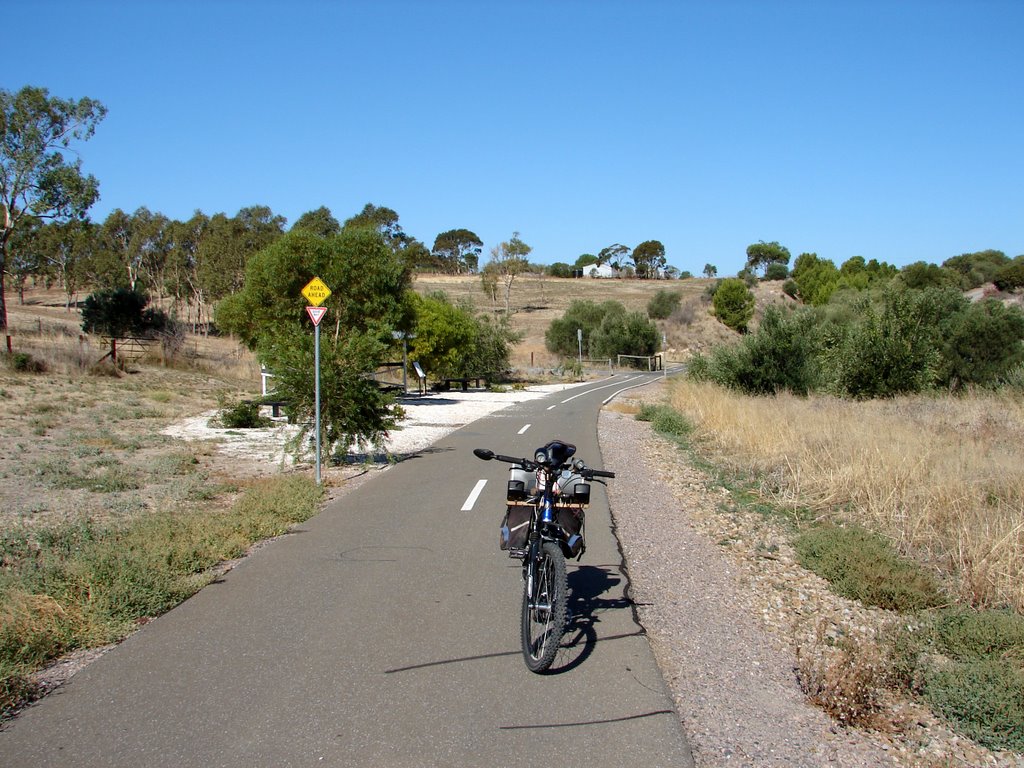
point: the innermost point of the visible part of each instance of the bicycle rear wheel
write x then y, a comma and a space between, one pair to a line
544, 608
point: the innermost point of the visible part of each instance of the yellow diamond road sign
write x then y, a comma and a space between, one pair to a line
316, 292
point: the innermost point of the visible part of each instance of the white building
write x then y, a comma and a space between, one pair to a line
601, 270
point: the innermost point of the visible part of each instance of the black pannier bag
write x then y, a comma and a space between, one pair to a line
515, 527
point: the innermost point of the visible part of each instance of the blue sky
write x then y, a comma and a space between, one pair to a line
890, 130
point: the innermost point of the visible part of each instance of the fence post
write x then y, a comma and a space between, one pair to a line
10, 346
113, 352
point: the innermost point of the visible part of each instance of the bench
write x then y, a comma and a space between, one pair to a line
275, 405
446, 384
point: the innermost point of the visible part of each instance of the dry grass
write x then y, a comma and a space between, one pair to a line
84, 440
846, 679
942, 477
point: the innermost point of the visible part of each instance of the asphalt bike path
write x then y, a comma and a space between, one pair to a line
383, 632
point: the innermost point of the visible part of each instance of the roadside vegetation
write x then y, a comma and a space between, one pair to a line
104, 521
913, 505
82, 584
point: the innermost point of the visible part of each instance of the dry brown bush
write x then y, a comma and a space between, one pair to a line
845, 677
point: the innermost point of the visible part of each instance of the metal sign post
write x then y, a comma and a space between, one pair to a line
316, 293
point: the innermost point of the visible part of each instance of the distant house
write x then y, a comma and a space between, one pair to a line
601, 270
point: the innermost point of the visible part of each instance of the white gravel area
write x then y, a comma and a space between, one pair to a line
428, 418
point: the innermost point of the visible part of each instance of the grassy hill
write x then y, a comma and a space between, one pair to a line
535, 302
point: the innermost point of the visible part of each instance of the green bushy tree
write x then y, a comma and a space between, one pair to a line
560, 337
780, 356
977, 268
370, 283
921, 274
816, 279
733, 304
663, 304
981, 344
122, 312
623, 333
1011, 275
891, 351
451, 342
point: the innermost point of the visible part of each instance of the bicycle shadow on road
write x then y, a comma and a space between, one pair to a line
589, 586
592, 592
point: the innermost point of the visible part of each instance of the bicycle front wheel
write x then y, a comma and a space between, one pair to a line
545, 601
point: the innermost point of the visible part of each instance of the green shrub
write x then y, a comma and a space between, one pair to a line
981, 344
780, 356
1013, 379
665, 420
624, 334
1011, 275
982, 699
979, 635
889, 351
122, 312
863, 566
561, 336
977, 268
451, 341
921, 274
776, 271
699, 368
733, 304
663, 304
816, 279
23, 362
242, 415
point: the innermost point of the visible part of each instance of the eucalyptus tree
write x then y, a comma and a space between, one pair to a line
508, 261
182, 280
132, 251
319, 222
24, 260
228, 244
614, 255
65, 250
649, 258
384, 221
40, 171
458, 251
761, 255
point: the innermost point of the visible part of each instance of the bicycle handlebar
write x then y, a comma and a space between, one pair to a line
487, 455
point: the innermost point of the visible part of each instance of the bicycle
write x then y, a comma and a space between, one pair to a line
543, 526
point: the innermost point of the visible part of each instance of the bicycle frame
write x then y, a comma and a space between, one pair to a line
555, 533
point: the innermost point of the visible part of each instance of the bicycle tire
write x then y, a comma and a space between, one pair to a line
544, 611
